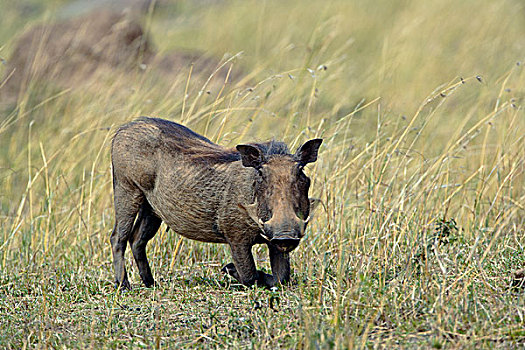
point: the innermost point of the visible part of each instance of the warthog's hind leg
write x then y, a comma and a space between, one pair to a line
145, 229
126, 207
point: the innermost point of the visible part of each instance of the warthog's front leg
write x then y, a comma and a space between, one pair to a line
243, 268
280, 263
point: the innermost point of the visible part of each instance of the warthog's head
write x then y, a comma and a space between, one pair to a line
282, 208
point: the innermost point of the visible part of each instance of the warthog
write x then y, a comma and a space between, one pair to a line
255, 193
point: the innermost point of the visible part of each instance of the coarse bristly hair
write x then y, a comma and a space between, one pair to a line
199, 148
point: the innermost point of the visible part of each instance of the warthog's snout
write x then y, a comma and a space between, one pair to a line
286, 236
283, 231
285, 243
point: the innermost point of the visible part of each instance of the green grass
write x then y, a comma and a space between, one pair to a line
421, 173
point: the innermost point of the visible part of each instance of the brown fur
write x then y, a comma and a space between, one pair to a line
256, 193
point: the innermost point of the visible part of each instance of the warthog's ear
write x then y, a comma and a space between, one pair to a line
251, 156
307, 153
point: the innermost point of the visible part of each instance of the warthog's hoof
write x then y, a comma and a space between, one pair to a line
124, 286
518, 280
153, 284
231, 271
262, 280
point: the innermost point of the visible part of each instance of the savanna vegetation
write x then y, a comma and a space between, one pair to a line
421, 175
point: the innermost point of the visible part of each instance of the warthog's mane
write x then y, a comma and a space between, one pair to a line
200, 149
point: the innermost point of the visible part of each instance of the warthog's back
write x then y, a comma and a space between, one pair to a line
151, 134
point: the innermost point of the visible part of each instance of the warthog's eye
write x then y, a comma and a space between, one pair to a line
302, 179
301, 184
260, 179
265, 213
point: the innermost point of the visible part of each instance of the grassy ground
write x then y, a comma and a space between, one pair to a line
422, 177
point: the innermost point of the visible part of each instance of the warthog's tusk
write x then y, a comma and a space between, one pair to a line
264, 236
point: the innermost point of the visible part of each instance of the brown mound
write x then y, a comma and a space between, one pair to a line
69, 52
